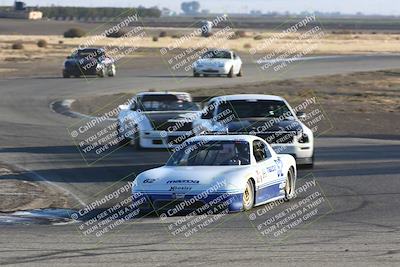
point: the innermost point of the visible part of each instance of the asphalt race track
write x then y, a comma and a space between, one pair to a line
358, 178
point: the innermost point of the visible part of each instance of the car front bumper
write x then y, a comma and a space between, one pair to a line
163, 139
211, 70
303, 153
75, 70
170, 203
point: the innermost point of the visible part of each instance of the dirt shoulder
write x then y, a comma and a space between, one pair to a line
362, 104
18, 192
31, 59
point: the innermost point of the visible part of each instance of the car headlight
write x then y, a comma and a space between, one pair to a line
303, 138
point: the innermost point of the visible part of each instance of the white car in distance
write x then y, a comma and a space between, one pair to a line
218, 63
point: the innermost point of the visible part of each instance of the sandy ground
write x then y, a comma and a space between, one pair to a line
59, 47
18, 192
327, 44
365, 104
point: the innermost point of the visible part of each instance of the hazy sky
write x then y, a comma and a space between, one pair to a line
387, 7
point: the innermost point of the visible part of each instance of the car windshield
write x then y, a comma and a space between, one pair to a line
212, 153
216, 54
254, 108
165, 103
89, 53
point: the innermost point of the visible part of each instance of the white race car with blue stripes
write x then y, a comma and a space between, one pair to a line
239, 171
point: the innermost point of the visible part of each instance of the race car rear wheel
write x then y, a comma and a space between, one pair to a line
122, 139
112, 71
248, 196
65, 74
289, 184
230, 73
136, 141
240, 73
196, 74
309, 165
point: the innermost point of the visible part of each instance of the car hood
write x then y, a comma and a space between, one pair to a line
163, 120
259, 125
186, 179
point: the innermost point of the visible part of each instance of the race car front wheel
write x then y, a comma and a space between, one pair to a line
289, 184
101, 73
248, 196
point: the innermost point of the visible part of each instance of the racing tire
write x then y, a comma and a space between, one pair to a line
136, 142
196, 74
102, 73
66, 75
248, 196
123, 141
289, 185
230, 73
240, 73
112, 71
310, 165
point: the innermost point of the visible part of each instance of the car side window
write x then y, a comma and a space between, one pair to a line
267, 152
260, 151
134, 105
208, 111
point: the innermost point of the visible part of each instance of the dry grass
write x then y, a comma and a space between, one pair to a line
329, 44
367, 92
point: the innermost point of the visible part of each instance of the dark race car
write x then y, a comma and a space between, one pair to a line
89, 61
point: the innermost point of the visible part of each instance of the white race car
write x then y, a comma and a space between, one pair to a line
266, 116
157, 119
233, 172
218, 62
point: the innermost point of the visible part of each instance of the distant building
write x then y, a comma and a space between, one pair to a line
20, 11
34, 15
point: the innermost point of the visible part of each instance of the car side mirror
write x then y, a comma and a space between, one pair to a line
301, 115
133, 107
